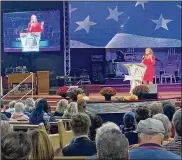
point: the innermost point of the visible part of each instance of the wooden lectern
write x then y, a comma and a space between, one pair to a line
43, 82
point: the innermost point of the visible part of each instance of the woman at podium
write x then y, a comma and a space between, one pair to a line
149, 61
34, 26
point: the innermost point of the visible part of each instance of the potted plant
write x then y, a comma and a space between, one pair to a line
140, 91
108, 92
62, 91
74, 92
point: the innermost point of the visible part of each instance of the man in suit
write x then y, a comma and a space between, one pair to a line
81, 144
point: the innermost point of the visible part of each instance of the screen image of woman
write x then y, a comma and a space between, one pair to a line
149, 61
34, 25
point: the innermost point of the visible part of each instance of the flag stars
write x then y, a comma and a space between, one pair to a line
161, 23
114, 14
142, 3
85, 24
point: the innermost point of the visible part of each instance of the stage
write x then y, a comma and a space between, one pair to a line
98, 104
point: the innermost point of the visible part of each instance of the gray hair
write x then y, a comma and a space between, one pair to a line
71, 109
6, 127
62, 105
148, 136
29, 104
166, 123
177, 121
80, 124
12, 104
19, 107
155, 108
111, 144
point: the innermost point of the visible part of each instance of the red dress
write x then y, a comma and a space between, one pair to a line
35, 28
149, 72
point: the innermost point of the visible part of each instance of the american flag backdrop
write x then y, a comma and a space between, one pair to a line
125, 24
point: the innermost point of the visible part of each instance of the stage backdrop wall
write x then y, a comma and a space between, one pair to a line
125, 24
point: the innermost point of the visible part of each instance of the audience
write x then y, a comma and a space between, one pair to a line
129, 128
42, 147
151, 134
11, 107
18, 115
29, 106
81, 145
167, 125
96, 120
111, 144
15, 146
175, 145
7, 114
4, 118
169, 111
155, 108
142, 113
61, 107
70, 110
5, 128
41, 113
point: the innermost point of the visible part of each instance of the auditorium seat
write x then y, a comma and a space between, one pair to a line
69, 158
65, 136
55, 139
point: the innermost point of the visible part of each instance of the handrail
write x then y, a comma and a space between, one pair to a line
19, 86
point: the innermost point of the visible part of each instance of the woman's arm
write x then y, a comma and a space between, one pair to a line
152, 58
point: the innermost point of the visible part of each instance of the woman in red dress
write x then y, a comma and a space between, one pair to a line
34, 26
149, 62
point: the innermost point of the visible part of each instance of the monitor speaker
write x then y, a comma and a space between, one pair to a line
153, 91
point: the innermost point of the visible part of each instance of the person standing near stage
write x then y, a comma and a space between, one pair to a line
149, 61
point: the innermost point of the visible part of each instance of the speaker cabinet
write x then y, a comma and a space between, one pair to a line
153, 92
97, 72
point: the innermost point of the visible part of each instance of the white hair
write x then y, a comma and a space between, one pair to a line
166, 123
71, 109
62, 105
29, 104
148, 136
19, 107
111, 144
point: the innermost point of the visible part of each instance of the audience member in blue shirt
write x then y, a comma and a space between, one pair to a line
41, 113
81, 145
151, 135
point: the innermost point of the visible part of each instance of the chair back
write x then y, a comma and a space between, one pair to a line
69, 158
55, 140
65, 136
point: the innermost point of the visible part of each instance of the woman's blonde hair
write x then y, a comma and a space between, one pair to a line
62, 105
71, 109
42, 147
150, 51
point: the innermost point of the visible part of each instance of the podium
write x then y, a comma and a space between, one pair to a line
43, 82
136, 72
30, 41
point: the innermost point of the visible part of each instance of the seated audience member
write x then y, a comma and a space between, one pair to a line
6, 127
151, 135
11, 107
142, 113
167, 126
61, 107
169, 111
129, 127
111, 144
70, 110
29, 106
96, 120
15, 146
175, 145
166, 103
81, 145
7, 114
42, 147
41, 113
4, 118
155, 108
18, 115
